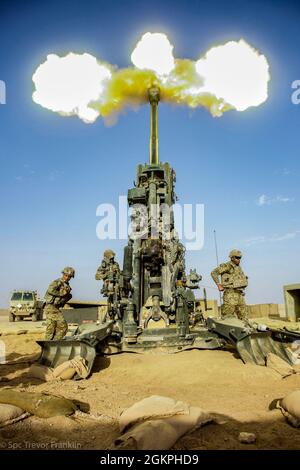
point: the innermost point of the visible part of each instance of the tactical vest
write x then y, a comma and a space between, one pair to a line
56, 300
234, 278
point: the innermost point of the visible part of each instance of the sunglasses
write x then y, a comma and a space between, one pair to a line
237, 257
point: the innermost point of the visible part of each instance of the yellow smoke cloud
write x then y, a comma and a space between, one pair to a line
186, 87
127, 87
230, 76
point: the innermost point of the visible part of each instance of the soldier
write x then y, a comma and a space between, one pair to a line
57, 295
233, 283
184, 305
174, 254
108, 271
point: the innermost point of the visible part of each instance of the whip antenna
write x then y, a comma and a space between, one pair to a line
217, 258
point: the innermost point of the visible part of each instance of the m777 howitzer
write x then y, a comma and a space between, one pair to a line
154, 303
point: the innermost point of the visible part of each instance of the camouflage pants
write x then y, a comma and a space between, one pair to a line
234, 304
56, 325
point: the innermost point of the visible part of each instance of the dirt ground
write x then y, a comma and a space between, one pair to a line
217, 381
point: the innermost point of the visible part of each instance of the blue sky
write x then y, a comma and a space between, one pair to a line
55, 171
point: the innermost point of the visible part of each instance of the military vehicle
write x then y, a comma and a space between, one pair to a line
25, 303
151, 303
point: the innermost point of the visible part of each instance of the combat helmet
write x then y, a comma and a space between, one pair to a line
109, 254
235, 253
69, 271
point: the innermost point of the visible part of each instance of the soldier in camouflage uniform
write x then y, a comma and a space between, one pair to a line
57, 295
108, 271
233, 283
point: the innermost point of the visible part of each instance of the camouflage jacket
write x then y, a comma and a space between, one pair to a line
106, 269
232, 276
58, 293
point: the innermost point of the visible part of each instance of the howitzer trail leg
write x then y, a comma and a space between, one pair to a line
252, 345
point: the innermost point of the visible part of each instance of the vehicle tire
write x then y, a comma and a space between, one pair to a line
34, 317
18, 318
11, 317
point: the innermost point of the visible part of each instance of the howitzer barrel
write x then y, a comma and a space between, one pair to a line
154, 97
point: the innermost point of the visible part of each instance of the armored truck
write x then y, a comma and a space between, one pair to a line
25, 303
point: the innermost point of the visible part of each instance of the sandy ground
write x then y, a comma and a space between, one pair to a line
216, 381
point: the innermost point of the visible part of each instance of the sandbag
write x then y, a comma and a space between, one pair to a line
43, 406
39, 371
151, 407
150, 435
9, 412
68, 369
65, 371
290, 407
62, 372
279, 365
149, 431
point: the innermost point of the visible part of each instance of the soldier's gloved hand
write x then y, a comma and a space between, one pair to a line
220, 287
64, 291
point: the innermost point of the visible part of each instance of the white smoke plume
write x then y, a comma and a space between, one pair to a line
67, 85
229, 76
